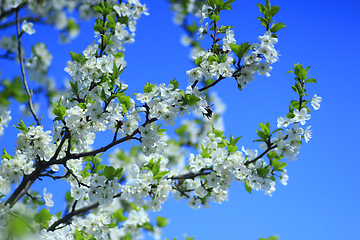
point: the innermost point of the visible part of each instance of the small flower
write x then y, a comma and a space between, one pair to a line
47, 197
28, 27
194, 203
301, 116
203, 31
315, 102
284, 177
307, 134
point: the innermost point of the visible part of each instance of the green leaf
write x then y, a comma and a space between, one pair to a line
274, 10
241, 50
262, 172
214, 17
156, 168
21, 126
188, 238
278, 165
290, 115
263, 20
112, 225
295, 89
198, 61
118, 215
191, 99
267, 5
68, 197
265, 128
175, 83
270, 238
125, 102
295, 104
126, 237
98, 9
59, 110
224, 28
43, 217
160, 175
148, 226
262, 135
181, 130
82, 105
118, 172
219, 3
234, 141
300, 72
99, 167
5, 155
231, 148
75, 87
276, 27
261, 8
311, 80
212, 59
109, 172
76, 57
227, 5
106, 11
247, 186
148, 87
161, 221
299, 88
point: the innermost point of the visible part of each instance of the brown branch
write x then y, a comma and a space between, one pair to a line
261, 155
212, 84
192, 175
28, 18
9, 12
182, 191
67, 218
28, 180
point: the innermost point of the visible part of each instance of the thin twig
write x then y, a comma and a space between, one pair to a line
182, 191
212, 84
261, 155
74, 176
67, 218
23, 69
192, 175
28, 18
25, 222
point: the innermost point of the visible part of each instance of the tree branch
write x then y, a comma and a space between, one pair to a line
28, 180
66, 219
261, 155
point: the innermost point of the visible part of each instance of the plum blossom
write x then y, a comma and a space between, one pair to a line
315, 102
28, 27
301, 116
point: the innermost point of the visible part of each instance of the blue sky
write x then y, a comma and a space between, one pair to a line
321, 200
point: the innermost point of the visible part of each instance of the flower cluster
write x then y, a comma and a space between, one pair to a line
4, 118
220, 166
102, 190
252, 61
39, 62
11, 170
35, 144
208, 68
